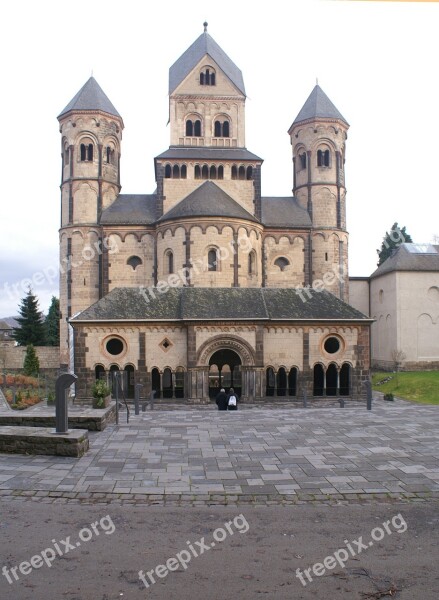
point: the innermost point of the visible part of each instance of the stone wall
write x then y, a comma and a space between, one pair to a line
47, 355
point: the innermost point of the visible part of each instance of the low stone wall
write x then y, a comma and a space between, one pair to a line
97, 421
39, 440
14, 357
384, 365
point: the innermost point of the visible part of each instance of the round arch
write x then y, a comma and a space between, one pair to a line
229, 342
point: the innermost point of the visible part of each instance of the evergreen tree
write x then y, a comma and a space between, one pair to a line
31, 330
52, 323
391, 241
31, 363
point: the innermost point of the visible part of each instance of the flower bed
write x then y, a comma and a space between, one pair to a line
27, 391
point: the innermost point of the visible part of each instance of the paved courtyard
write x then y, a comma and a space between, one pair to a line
264, 454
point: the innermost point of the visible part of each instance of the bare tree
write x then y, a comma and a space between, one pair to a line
398, 357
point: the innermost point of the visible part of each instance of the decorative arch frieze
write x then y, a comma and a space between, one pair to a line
229, 342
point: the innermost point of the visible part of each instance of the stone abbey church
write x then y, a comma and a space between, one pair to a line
205, 283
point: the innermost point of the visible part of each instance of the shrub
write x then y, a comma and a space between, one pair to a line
100, 391
389, 397
31, 364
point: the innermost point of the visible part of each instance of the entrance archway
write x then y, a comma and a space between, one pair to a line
224, 371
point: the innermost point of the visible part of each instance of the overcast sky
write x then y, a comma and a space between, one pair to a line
377, 61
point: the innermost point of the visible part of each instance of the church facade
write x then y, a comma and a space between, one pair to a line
205, 282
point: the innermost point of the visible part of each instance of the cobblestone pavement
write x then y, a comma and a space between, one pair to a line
264, 454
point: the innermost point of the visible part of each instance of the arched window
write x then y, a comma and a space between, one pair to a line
197, 128
249, 172
86, 152
100, 372
212, 260
282, 262
252, 263
331, 380
281, 382
176, 172
205, 172
270, 382
183, 172
323, 158
207, 76
108, 154
292, 382
189, 128
302, 160
345, 379
169, 262
134, 262
241, 172
66, 155
221, 129
220, 172
319, 380
213, 172
234, 172
197, 172
168, 171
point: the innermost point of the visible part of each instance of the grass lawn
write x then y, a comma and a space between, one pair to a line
418, 386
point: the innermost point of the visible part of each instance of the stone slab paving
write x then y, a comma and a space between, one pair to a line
267, 453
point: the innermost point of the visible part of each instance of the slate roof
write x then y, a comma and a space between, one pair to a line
318, 105
208, 153
209, 304
284, 212
203, 45
90, 97
208, 200
130, 209
403, 259
5, 325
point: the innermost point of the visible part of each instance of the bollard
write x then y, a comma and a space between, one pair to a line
341, 401
151, 399
368, 385
137, 389
305, 405
61, 409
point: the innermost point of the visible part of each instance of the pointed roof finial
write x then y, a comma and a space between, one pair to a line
317, 81
205, 26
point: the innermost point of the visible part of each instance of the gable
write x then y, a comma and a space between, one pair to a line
191, 83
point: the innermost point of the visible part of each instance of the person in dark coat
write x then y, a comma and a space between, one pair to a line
221, 399
232, 400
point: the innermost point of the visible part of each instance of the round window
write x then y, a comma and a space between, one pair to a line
332, 345
114, 346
